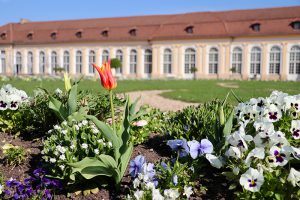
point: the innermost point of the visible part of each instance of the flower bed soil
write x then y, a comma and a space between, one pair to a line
153, 150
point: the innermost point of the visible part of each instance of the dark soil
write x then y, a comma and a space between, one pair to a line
154, 150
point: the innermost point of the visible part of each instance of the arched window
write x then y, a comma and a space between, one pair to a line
190, 60
133, 61
213, 62
148, 61
66, 61
2, 62
255, 60
119, 55
78, 62
167, 61
105, 56
53, 62
42, 62
30, 62
275, 60
92, 59
237, 55
295, 60
18, 68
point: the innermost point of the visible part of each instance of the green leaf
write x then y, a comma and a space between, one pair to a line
125, 160
228, 125
58, 108
72, 100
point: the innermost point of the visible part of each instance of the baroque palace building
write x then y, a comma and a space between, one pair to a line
241, 44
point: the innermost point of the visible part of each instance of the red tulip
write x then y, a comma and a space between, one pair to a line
107, 79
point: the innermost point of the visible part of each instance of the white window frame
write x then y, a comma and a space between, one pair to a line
294, 61
189, 60
133, 61
213, 60
167, 61
275, 60
237, 60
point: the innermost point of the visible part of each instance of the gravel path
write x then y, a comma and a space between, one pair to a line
154, 99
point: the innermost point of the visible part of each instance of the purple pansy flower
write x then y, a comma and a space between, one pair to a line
198, 149
179, 145
136, 165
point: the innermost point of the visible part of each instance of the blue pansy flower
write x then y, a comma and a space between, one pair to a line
198, 149
179, 145
136, 165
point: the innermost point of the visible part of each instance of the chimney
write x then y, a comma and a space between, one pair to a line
24, 21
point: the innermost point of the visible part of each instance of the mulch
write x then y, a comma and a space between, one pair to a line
154, 150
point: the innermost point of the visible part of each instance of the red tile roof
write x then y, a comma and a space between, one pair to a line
225, 24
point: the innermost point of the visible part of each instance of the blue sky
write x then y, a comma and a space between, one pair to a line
42, 10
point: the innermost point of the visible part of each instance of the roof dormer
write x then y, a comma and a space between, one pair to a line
30, 35
189, 29
3, 35
53, 35
295, 25
255, 27
78, 33
133, 32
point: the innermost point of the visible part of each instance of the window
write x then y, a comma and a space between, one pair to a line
42, 62
53, 35
190, 60
167, 61
148, 61
2, 62
78, 34
104, 33
189, 29
213, 61
78, 62
133, 61
295, 25
3, 36
255, 60
255, 27
53, 61
275, 60
30, 36
132, 32
30, 62
237, 55
92, 60
18, 68
294, 67
105, 56
119, 55
66, 61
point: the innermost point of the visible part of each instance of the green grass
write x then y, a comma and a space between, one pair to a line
185, 90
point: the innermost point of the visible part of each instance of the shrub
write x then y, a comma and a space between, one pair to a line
14, 155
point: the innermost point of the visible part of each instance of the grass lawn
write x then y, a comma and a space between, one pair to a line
185, 90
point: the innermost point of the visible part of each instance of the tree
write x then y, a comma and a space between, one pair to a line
115, 63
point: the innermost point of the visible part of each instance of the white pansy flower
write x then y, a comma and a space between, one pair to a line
214, 161
171, 194
252, 180
233, 152
138, 194
188, 191
294, 177
272, 113
255, 153
295, 129
280, 156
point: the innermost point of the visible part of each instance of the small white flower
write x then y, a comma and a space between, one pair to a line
80, 125
62, 157
171, 194
140, 123
150, 186
139, 194
156, 195
62, 167
294, 177
52, 160
58, 92
64, 132
1, 189
272, 113
233, 152
76, 127
84, 146
64, 123
84, 122
280, 156
72, 146
56, 127
252, 180
109, 144
96, 151
100, 141
136, 183
256, 153
95, 130
50, 131
188, 191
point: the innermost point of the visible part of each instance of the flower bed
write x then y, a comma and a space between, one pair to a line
66, 144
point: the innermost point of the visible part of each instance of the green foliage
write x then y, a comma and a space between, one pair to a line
154, 119
113, 165
115, 63
14, 155
70, 143
195, 123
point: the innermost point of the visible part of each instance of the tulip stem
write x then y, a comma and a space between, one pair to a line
112, 110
